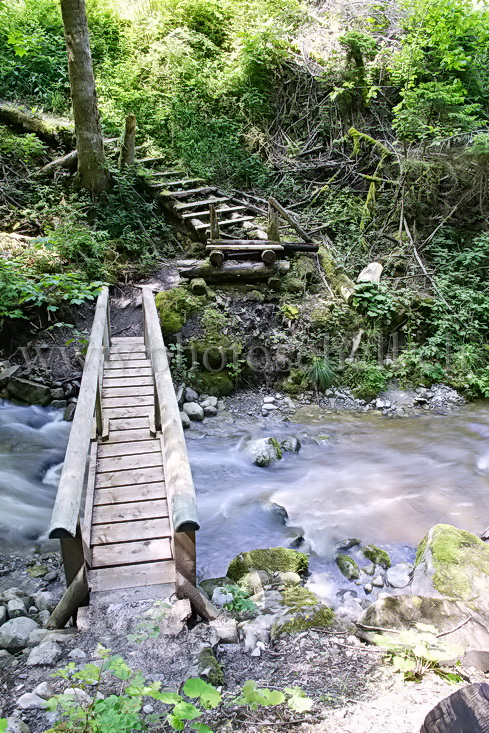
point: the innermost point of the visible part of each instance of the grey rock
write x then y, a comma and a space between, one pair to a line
368, 588
381, 404
30, 701
210, 411
253, 581
148, 709
226, 630
51, 576
57, 394
16, 608
7, 374
263, 451
258, 629
44, 690
378, 582
369, 569
347, 544
399, 576
209, 402
14, 594
44, 600
78, 695
32, 610
191, 395
210, 584
14, 634
291, 445
77, 654
46, 654
278, 511
15, 725
193, 410
3, 615
289, 578
43, 617
185, 420
69, 412
31, 392
221, 596
58, 404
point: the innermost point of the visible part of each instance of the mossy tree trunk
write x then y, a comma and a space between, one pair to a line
92, 171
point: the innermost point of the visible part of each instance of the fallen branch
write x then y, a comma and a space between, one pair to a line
51, 131
456, 628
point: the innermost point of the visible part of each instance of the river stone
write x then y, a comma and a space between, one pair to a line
264, 451
288, 578
220, 597
185, 420
348, 567
347, 544
399, 576
3, 615
210, 584
445, 614
272, 560
69, 412
277, 510
191, 395
30, 701
46, 654
258, 629
209, 410
58, 394
31, 392
226, 630
6, 374
193, 410
453, 562
16, 608
15, 725
44, 600
291, 445
15, 633
254, 581
210, 401
376, 555
44, 690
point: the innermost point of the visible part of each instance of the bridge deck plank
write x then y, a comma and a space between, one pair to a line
126, 553
128, 423
131, 477
131, 411
129, 400
108, 450
144, 371
131, 390
145, 529
127, 436
125, 494
133, 510
124, 577
128, 364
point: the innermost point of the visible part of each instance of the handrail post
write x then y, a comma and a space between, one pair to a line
72, 554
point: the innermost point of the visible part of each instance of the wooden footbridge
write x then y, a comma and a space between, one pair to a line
125, 510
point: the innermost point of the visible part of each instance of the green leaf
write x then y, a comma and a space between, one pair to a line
186, 711
208, 695
168, 698
201, 728
3, 725
175, 722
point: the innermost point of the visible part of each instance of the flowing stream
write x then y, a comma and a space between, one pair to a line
385, 481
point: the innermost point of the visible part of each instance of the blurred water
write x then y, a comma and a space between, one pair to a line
32, 447
385, 481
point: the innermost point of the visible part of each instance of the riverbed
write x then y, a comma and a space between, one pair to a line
382, 480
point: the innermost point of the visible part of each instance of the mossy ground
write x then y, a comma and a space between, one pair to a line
272, 560
175, 307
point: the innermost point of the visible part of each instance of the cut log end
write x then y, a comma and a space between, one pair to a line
268, 256
216, 257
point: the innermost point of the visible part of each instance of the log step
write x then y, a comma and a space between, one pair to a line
188, 192
227, 222
145, 161
182, 182
243, 248
161, 174
204, 202
197, 214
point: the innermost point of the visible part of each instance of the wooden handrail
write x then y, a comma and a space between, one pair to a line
66, 510
178, 476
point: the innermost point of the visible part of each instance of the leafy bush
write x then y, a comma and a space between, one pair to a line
241, 599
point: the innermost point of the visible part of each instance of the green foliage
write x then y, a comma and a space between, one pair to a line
123, 712
28, 148
415, 652
3, 724
241, 599
374, 300
320, 373
175, 306
366, 378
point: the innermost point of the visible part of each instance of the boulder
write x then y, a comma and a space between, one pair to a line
30, 701
16, 608
264, 451
31, 392
209, 668
348, 567
3, 615
256, 630
7, 374
191, 395
15, 633
399, 576
15, 725
226, 630
371, 273
185, 420
254, 581
44, 690
445, 614
46, 654
44, 601
291, 445
288, 578
376, 555
193, 410
272, 560
453, 562
303, 611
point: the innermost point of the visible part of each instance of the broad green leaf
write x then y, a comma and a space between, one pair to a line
168, 698
186, 711
175, 722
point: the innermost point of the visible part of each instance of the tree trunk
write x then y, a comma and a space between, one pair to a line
92, 171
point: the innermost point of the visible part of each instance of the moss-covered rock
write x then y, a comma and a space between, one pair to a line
272, 560
297, 597
217, 384
210, 669
308, 617
264, 451
175, 307
254, 581
348, 567
294, 383
455, 563
210, 584
215, 352
376, 555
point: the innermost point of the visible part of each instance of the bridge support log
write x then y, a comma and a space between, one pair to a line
73, 597
231, 271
